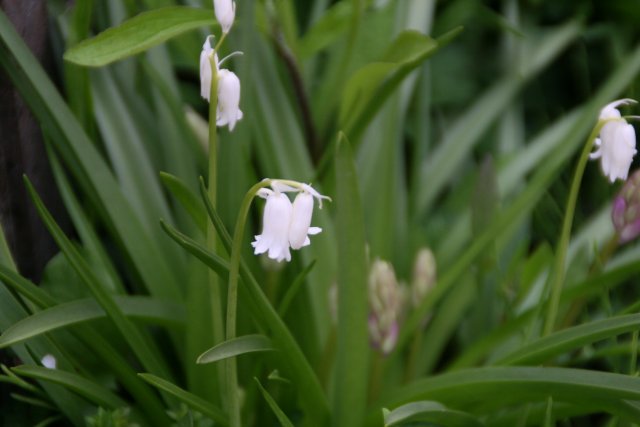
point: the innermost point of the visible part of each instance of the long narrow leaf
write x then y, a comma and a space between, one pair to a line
75, 312
282, 417
352, 359
74, 382
138, 34
511, 385
189, 399
138, 342
236, 347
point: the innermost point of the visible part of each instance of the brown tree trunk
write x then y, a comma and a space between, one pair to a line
22, 152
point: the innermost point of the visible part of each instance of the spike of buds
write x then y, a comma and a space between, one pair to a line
625, 213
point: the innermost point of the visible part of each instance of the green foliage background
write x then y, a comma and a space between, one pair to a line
453, 124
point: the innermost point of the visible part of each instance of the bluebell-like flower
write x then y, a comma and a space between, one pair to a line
616, 145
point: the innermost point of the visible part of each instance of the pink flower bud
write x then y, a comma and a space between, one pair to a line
625, 213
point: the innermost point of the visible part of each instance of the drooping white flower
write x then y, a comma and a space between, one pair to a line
300, 228
49, 361
228, 112
616, 145
206, 73
225, 11
286, 225
275, 226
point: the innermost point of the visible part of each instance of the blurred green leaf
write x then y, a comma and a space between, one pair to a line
445, 160
329, 28
189, 399
236, 347
368, 88
541, 350
77, 383
71, 313
90, 171
142, 346
138, 34
352, 356
598, 391
189, 201
282, 417
429, 412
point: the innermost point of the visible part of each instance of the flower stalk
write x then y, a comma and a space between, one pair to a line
561, 251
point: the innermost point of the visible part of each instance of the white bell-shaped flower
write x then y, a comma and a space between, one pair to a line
275, 227
206, 73
617, 143
300, 228
225, 11
228, 112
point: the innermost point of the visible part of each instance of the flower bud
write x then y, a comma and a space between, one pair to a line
225, 11
206, 73
386, 299
625, 213
424, 275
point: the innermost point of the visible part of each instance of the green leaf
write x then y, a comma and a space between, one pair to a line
88, 389
510, 385
370, 86
429, 412
75, 312
236, 347
89, 170
444, 162
33, 401
293, 290
526, 199
138, 34
211, 260
141, 345
189, 201
568, 339
282, 417
329, 28
191, 400
352, 355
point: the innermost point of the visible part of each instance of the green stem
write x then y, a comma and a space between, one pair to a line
217, 48
232, 300
563, 244
212, 241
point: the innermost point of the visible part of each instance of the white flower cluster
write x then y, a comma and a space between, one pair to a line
617, 143
228, 108
286, 225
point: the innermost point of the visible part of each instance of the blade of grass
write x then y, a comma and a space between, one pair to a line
443, 163
89, 169
282, 417
509, 385
139, 343
191, 400
71, 313
529, 197
87, 389
352, 355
